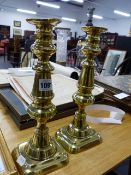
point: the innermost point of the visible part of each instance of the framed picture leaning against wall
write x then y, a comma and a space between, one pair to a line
113, 59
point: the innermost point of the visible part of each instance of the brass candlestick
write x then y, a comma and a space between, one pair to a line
78, 134
41, 154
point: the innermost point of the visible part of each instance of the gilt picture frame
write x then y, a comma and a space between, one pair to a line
7, 166
113, 59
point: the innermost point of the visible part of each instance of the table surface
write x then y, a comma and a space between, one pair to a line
116, 145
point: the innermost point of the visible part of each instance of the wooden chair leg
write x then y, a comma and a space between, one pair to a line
129, 170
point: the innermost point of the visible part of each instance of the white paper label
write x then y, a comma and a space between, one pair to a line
21, 160
121, 95
2, 168
45, 84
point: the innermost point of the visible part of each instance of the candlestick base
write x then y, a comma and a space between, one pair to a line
75, 140
28, 166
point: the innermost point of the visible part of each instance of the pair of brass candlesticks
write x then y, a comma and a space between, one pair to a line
42, 153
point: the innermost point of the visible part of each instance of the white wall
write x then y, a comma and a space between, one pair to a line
73, 26
120, 26
8, 18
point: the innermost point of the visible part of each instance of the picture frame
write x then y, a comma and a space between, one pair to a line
113, 59
17, 23
7, 166
17, 32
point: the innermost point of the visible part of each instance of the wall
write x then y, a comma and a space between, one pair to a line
73, 26
7, 18
120, 26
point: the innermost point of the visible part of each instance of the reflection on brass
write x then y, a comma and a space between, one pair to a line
78, 134
41, 154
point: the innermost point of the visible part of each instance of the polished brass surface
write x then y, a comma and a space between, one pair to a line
78, 135
41, 154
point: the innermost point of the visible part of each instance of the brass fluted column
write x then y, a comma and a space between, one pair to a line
41, 154
78, 134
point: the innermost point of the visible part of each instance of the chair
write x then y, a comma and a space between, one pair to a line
3, 49
127, 64
15, 59
14, 52
26, 58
